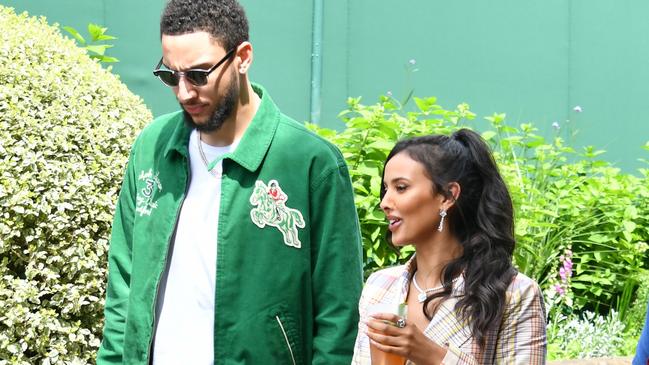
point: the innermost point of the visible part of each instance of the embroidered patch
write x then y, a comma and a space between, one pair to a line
145, 203
270, 209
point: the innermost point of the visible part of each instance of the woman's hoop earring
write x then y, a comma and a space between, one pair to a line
442, 213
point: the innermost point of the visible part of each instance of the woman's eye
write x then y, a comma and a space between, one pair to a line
401, 188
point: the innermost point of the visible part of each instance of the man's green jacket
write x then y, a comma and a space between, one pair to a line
288, 274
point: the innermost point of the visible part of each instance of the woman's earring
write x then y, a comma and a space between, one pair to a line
442, 213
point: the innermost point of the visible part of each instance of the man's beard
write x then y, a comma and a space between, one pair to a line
223, 110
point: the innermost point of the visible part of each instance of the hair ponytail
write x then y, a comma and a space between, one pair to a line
495, 207
489, 270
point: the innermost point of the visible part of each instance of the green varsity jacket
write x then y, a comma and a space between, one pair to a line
289, 252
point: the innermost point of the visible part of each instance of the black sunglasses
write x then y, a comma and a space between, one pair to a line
197, 77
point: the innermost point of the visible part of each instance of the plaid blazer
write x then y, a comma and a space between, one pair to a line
520, 338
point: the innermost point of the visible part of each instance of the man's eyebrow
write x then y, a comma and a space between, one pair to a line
198, 66
202, 66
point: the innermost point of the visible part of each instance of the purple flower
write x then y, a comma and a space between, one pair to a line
567, 265
565, 272
577, 109
559, 289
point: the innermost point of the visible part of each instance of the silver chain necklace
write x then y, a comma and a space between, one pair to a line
200, 151
423, 294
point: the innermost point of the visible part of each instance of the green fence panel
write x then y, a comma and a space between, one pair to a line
535, 61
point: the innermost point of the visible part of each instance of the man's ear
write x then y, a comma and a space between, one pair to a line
453, 193
244, 56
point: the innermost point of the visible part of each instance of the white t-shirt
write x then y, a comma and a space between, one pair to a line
185, 307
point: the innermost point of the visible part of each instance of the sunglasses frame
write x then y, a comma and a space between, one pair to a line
178, 74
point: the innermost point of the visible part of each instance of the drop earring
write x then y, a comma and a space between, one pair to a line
442, 213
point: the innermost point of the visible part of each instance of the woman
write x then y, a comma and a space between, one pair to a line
466, 304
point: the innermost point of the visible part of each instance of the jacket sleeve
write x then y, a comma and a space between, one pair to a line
336, 266
119, 272
362, 345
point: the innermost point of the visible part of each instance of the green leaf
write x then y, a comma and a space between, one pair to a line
425, 105
358, 122
99, 49
107, 59
579, 286
370, 167
629, 226
599, 238
105, 37
96, 31
375, 234
381, 144
488, 135
73, 32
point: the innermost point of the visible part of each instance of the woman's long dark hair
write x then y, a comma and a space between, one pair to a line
482, 219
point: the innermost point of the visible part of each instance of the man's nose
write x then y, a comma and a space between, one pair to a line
185, 90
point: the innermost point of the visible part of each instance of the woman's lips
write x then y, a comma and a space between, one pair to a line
394, 223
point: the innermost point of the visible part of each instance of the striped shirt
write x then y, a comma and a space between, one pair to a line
520, 338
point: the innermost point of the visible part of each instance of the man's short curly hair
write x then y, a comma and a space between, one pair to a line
225, 20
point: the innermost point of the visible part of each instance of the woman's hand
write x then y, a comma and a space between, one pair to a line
408, 342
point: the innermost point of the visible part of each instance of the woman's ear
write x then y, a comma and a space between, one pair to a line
244, 57
453, 193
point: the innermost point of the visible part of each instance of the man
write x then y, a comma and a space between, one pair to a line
235, 238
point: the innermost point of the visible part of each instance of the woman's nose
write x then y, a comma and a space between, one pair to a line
385, 202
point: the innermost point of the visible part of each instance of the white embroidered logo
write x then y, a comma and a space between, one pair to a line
145, 203
270, 209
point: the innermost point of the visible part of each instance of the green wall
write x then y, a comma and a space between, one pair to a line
534, 60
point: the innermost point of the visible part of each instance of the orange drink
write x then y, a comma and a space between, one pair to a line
385, 358
379, 357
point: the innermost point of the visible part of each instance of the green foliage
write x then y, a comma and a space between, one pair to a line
96, 48
590, 336
564, 200
66, 126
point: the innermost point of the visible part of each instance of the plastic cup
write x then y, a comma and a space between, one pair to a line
379, 357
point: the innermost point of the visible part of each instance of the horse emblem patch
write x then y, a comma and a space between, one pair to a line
145, 203
270, 209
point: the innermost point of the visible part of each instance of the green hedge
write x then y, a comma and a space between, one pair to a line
66, 125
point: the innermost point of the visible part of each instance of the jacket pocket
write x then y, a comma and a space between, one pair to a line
286, 338
266, 338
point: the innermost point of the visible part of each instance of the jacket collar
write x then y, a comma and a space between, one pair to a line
255, 141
